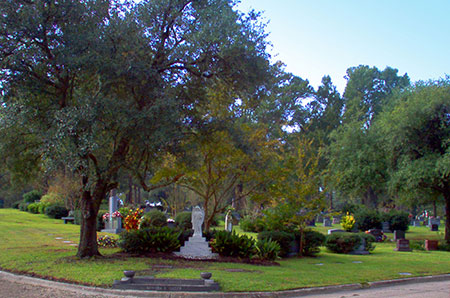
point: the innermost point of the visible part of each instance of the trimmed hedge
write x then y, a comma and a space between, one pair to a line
284, 239
32, 196
347, 242
368, 219
56, 211
33, 208
154, 218
183, 220
252, 224
312, 242
154, 239
230, 244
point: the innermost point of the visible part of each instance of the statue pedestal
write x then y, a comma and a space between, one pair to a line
196, 248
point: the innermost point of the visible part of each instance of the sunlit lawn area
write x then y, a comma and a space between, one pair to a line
28, 244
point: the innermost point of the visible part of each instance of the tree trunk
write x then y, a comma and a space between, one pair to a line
88, 231
447, 215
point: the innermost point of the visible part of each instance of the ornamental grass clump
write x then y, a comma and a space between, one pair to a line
267, 249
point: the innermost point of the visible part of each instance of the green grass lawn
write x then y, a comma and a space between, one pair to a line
28, 245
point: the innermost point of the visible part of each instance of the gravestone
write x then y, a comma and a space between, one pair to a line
386, 227
114, 224
311, 223
416, 223
399, 235
431, 244
196, 247
360, 249
433, 221
402, 245
327, 222
331, 231
336, 220
434, 228
319, 218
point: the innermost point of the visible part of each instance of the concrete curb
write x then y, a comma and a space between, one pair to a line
86, 290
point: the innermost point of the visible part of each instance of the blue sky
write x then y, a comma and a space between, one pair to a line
325, 37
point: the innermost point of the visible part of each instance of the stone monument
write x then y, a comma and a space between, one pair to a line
114, 224
196, 247
228, 222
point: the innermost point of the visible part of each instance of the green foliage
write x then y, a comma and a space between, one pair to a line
398, 220
42, 206
52, 198
154, 218
342, 242
348, 222
368, 219
154, 239
444, 247
284, 239
252, 224
183, 220
312, 240
56, 211
15, 205
233, 245
370, 240
32, 196
107, 241
417, 245
267, 249
33, 208
23, 206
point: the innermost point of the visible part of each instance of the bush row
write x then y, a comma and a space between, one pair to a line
372, 219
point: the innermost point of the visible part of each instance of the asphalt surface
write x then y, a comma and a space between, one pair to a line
12, 286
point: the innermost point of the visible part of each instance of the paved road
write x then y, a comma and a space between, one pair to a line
12, 286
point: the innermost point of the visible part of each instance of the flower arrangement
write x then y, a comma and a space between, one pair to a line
348, 222
133, 220
105, 216
107, 241
170, 220
116, 214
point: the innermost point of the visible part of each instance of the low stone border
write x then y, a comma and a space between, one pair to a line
85, 290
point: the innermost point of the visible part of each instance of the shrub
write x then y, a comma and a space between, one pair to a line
370, 240
252, 224
368, 219
417, 245
230, 244
33, 208
284, 239
267, 249
32, 196
52, 198
42, 206
398, 220
348, 222
444, 246
23, 206
312, 240
100, 221
56, 211
183, 220
77, 216
107, 241
15, 205
154, 218
342, 242
154, 239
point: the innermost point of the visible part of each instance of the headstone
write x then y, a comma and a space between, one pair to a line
311, 223
331, 231
336, 220
361, 249
431, 244
434, 228
433, 221
319, 218
114, 224
416, 223
385, 227
327, 222
399, 235
402, 245
196, 247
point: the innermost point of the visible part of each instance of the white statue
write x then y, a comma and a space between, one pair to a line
228, 222
197, 220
